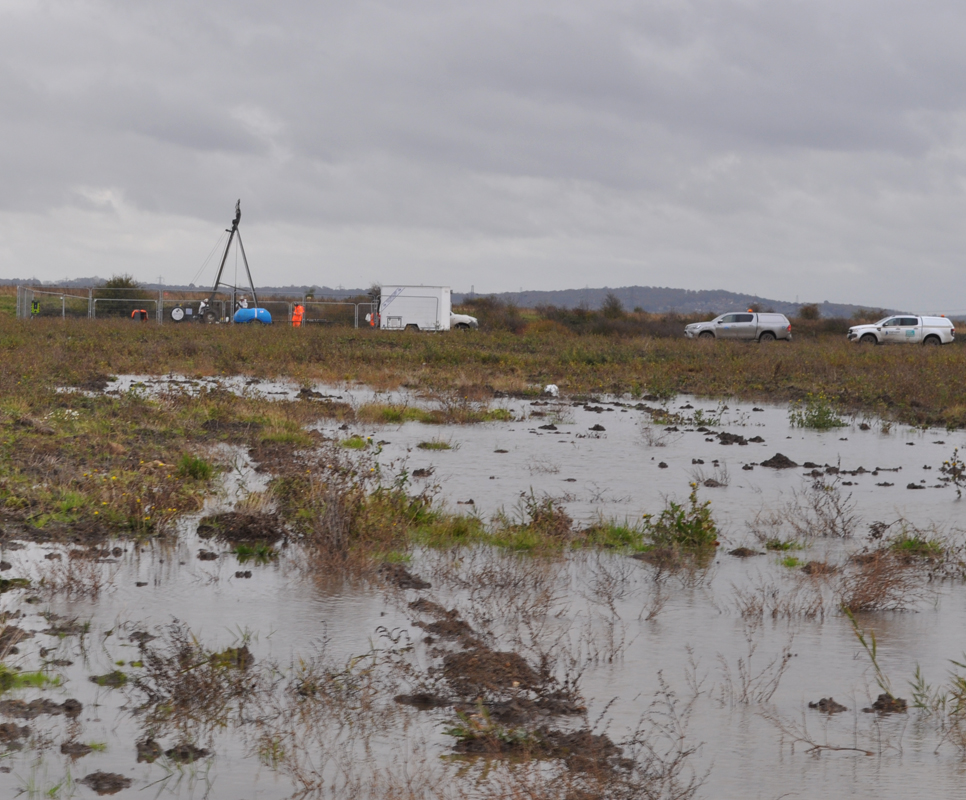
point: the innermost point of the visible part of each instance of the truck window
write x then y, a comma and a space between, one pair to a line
890, 322
909, 321
728, 319
744, 317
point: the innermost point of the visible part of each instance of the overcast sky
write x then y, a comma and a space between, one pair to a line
808, 149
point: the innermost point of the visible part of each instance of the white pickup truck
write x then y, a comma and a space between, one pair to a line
764, 327
905, 329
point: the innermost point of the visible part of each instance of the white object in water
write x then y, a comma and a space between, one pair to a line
551, 389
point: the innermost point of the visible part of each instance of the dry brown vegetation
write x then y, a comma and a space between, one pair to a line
905, 383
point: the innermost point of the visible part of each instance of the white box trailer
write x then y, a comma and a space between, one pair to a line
425, 308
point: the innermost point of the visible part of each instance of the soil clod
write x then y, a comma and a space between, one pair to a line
398, 575
779, 461
887, 704
235, 527
148, 751
827, 705
106, 782
186, 753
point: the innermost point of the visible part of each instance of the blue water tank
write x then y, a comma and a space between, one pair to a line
253, 315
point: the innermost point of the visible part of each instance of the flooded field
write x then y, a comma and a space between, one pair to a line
229, 660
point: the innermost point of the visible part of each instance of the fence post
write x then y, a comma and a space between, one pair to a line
63, 308
90, 303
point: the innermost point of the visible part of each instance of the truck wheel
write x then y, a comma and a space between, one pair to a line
869, 338
413, 328
932, 340
210, 316
767, 336
177, 314
462, 326
706, 335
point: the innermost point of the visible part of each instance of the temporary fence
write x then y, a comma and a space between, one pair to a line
107, 302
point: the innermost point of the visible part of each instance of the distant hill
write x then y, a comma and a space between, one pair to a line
656, 299
659, 299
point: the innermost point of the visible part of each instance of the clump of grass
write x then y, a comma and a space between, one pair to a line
782, 545
436, 444
791, 562
613, 535
446, 530
916, 546
356, 442
112, 679
11, 678
259, 552
684, 526
479, 731
540, 523
9, 584
195, 467
388, 414
817, 411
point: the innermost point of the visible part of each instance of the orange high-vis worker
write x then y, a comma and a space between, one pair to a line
297, 314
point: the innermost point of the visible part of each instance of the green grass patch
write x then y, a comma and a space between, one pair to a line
782, 545
11, 679
613, 535
816, 411
356, 443
112, 680
194, 467
435, 444
791, 562
916, 546
259, 552
450, 531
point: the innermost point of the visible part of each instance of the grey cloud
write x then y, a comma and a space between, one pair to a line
693, 139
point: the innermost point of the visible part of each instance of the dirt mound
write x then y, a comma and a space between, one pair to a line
731, 438
148, 751
106, 782
11, 635
20, 709
828, 706
779, 461
819, 568
186, 753
398, 575
235, 527
450, 628
75, 749
422, 701
480, 668
887, 704
11, 733
580, 750
744, 552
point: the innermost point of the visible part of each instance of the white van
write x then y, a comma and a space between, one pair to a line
905, 329
420, 308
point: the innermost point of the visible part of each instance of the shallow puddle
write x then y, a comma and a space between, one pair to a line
744, 672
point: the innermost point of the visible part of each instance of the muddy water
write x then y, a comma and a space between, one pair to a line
697, 640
